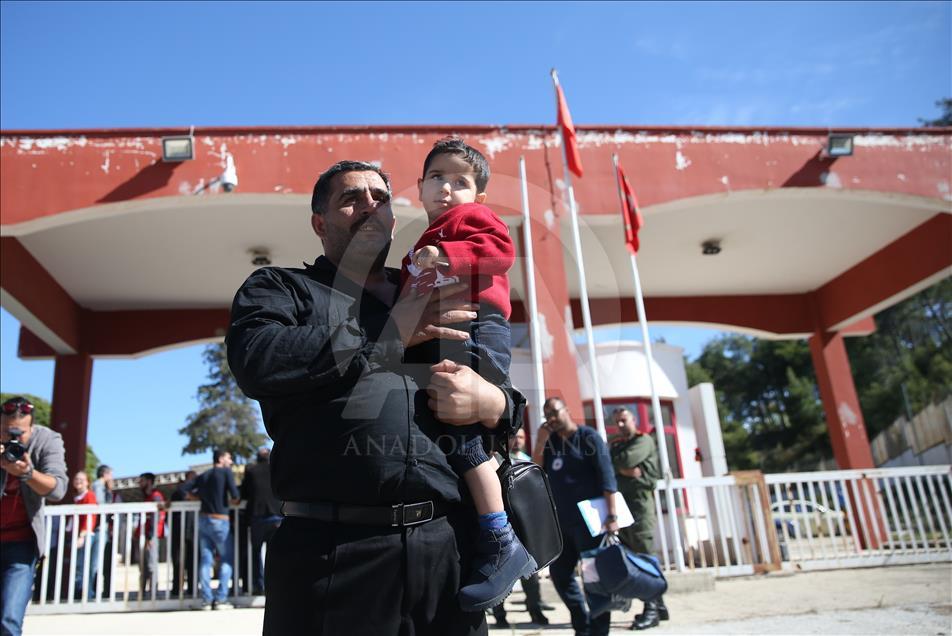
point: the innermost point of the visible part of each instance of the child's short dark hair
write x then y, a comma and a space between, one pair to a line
456, 146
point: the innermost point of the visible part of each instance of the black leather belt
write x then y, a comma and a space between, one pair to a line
397, 515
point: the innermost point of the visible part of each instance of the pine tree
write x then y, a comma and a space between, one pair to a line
945, 119
226, 419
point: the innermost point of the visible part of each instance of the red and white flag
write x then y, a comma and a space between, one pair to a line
633, 218
572, 156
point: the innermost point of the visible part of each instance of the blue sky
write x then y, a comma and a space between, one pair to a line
81, 65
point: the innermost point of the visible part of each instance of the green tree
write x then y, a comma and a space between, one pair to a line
92, 463
770, 411
945, 119
226, 419
907, 363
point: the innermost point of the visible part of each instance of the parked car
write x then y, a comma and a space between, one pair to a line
798, 515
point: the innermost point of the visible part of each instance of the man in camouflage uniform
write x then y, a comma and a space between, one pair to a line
635, 458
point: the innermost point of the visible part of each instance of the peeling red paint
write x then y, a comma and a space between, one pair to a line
665, 164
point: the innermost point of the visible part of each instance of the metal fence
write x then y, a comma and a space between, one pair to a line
747, 522
105, 574
733, 525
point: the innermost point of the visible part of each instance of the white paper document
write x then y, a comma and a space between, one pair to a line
595, 510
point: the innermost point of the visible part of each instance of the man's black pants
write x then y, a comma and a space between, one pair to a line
326, 578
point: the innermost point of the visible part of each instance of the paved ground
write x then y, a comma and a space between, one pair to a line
895, 600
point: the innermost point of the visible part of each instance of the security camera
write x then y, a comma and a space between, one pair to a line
260, 256
229, 178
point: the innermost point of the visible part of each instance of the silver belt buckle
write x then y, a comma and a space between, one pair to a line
411, 514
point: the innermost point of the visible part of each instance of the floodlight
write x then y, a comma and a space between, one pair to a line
178, 148
839, 146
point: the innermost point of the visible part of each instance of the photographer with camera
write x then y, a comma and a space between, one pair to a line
32, 469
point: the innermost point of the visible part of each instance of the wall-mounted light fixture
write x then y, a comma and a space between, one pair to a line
178, 148
838, 145
711, 247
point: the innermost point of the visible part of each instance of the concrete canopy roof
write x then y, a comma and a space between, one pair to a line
146, 254
789, 222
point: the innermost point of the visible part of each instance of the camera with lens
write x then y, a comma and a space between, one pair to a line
14, 450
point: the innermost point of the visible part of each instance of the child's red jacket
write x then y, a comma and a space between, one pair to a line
479, 250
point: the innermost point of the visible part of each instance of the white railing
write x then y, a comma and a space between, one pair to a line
733, 525
746, 522
101, 576
850, 518
720, 526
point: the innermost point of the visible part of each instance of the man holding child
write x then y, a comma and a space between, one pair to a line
380, 531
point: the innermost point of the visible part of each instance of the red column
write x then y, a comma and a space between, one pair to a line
72, 381
840, 402
844, 420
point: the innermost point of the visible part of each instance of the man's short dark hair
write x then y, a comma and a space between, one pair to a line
148, 476
217, 454
102, 470
322, 189
456, 146
264, 455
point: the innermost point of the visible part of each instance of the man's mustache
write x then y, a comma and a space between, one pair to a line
364, 221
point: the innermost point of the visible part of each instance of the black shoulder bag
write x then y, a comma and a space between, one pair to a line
530, 508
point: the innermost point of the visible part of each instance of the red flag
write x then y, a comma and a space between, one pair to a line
630, 212
568, 134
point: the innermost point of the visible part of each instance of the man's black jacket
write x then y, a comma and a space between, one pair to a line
349, 422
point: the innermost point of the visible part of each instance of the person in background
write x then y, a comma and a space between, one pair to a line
183, 548
635, 458
149, 557
214, 487
103, 486
104, 489
530, 585
264, 512
578, 465
27, 481
86, 537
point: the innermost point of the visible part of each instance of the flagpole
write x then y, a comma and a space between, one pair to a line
535, 340
655, 401
583, 286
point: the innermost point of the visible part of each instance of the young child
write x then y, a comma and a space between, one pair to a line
467, 242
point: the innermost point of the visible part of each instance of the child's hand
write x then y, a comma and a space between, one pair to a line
427, 257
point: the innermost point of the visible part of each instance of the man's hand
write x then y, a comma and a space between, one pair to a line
17, 468
460, 396
419, 319
611, 526
542, 437
428, 257
80, 540
148, 544
630, 472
